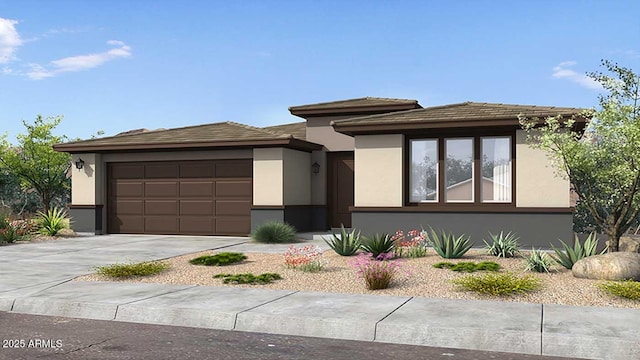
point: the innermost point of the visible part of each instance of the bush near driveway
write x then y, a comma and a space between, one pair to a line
274, 232
220, 259
123, 271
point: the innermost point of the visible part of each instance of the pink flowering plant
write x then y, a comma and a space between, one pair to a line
377, 273
413, 244
306, 258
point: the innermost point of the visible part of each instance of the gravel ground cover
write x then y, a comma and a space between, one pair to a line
418, 277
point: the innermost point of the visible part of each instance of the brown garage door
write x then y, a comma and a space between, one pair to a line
187, 197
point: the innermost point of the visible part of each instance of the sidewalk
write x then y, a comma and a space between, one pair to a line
39, 284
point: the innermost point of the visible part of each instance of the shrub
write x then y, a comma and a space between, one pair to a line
628, 289
346, 244
498, 284
15, 230
378, 244
448, 246
307, 258
220, 259
414, 245
248, 278
9, 234
274, 232
52, 221
570, 256
468, 266
121, 271
503, 245
538, 261
5, 220
376, 274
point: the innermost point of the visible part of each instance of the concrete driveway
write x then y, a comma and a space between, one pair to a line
41, 264
35, 279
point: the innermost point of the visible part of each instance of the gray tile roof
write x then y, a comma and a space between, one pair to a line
460, 112
354, 103
297, 130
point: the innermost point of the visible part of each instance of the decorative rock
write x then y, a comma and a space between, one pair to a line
611, 266
65, 232
629, 244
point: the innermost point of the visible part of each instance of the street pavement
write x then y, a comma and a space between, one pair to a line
35, 279
58, 338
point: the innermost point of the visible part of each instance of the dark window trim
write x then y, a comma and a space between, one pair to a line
477, 170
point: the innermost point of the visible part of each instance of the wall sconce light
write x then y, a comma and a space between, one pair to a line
79, 164
315, 168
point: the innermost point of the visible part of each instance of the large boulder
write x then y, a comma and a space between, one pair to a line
611, 266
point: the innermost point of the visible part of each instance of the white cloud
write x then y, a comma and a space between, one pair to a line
563, 71
79, 62
9, 40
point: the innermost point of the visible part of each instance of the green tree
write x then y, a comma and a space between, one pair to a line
603, 162
35, 162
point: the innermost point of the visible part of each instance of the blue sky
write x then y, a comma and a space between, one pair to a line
120, 65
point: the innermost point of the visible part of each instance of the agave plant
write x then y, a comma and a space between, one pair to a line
52, 221
570, 256
378, 244
448, 246
347, 244
538, 261
503, 245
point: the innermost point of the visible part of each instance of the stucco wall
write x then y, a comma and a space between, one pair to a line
297, 177
378, 170
319, 180
87, 184
536, 182
268, 176
320, 131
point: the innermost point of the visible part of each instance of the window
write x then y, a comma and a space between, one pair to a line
472, 170
496, 169
458, 170
424, 170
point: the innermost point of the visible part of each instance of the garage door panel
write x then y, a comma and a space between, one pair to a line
197, 170
128, 171
161, 189
161, 171
233, 169
196, 207
197, 225
127, 224
128, 189
198, 189
129, 207
209, 197
233, 188
161, 224
161, 207
233, 207
233, 225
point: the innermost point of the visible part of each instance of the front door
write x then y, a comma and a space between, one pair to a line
340, 192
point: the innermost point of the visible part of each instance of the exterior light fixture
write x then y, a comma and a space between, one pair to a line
315, 168
79, 164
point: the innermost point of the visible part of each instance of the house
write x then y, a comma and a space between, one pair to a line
376, 164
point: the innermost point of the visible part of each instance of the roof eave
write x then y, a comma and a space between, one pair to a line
353, 110
291, 143
396, 127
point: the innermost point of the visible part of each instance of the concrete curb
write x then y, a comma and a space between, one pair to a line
475, 325
535, 329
